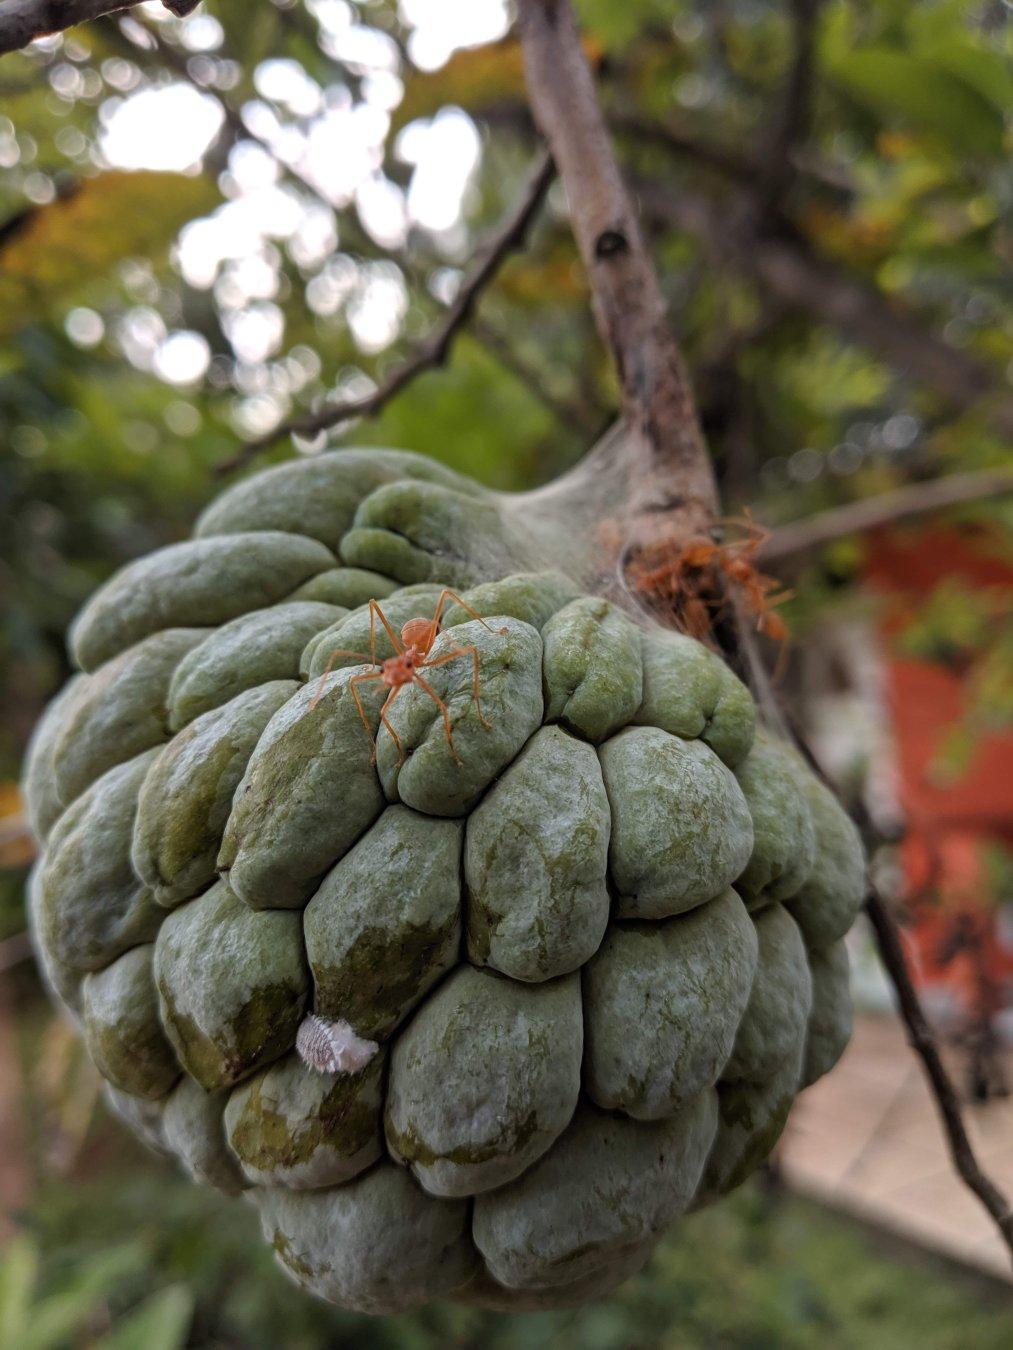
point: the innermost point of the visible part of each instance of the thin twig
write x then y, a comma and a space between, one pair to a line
741, 169
924, 1044
14, 950
22, 21
434, 349
920, 1035
790, 271
917, 499
676, 139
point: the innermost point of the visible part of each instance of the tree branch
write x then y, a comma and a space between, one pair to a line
658, 404
924, 1044
917, 499
22, 21
791, 124
675, 139
434, 349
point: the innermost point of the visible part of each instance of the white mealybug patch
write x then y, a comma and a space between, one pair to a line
332, 1047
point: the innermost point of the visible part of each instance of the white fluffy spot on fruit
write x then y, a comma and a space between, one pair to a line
332, 1047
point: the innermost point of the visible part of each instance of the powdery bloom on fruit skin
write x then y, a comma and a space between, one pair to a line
332, 1047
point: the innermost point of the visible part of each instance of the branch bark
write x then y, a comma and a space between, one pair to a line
658, 406
917, 499
794, 115
433, 351
22, 21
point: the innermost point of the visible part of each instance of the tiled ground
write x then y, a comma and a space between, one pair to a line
867, 1139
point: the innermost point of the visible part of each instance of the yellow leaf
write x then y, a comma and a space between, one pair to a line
16, 846
557, 276
477, 79
52, 252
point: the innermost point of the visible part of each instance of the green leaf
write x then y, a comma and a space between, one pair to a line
615, 25
54, 1319
917, 90
18, 1273
990, 74
478, 418
161, 1323
52, 253
474, 78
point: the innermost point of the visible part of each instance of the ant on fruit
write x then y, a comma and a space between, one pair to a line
411, 656
670, 575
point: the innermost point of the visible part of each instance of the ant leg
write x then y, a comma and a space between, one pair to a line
781, 664
375, 612
471, 651
338, 651
365, 677
447, 724
390, 729
447, 594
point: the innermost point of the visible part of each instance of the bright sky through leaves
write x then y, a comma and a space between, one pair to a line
332, 139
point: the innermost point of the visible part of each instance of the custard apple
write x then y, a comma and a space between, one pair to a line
475, 1014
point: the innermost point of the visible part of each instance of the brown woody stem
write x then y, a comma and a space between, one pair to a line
658, 405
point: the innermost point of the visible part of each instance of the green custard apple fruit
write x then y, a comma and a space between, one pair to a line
475, 1014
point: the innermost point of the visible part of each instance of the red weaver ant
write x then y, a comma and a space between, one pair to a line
411, 656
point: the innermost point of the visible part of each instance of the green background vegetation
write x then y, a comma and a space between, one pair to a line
900, 192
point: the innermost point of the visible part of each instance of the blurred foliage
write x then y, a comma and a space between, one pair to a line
755, 1272
474, 77
151, 319
35, 1320
116, 1248
999, 872
50, 256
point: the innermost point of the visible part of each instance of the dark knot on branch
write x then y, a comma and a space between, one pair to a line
609, 243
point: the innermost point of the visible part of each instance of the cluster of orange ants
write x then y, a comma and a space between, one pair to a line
687, 580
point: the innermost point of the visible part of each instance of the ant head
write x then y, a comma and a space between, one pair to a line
418, 633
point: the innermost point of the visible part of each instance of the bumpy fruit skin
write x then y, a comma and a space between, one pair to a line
599, 957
